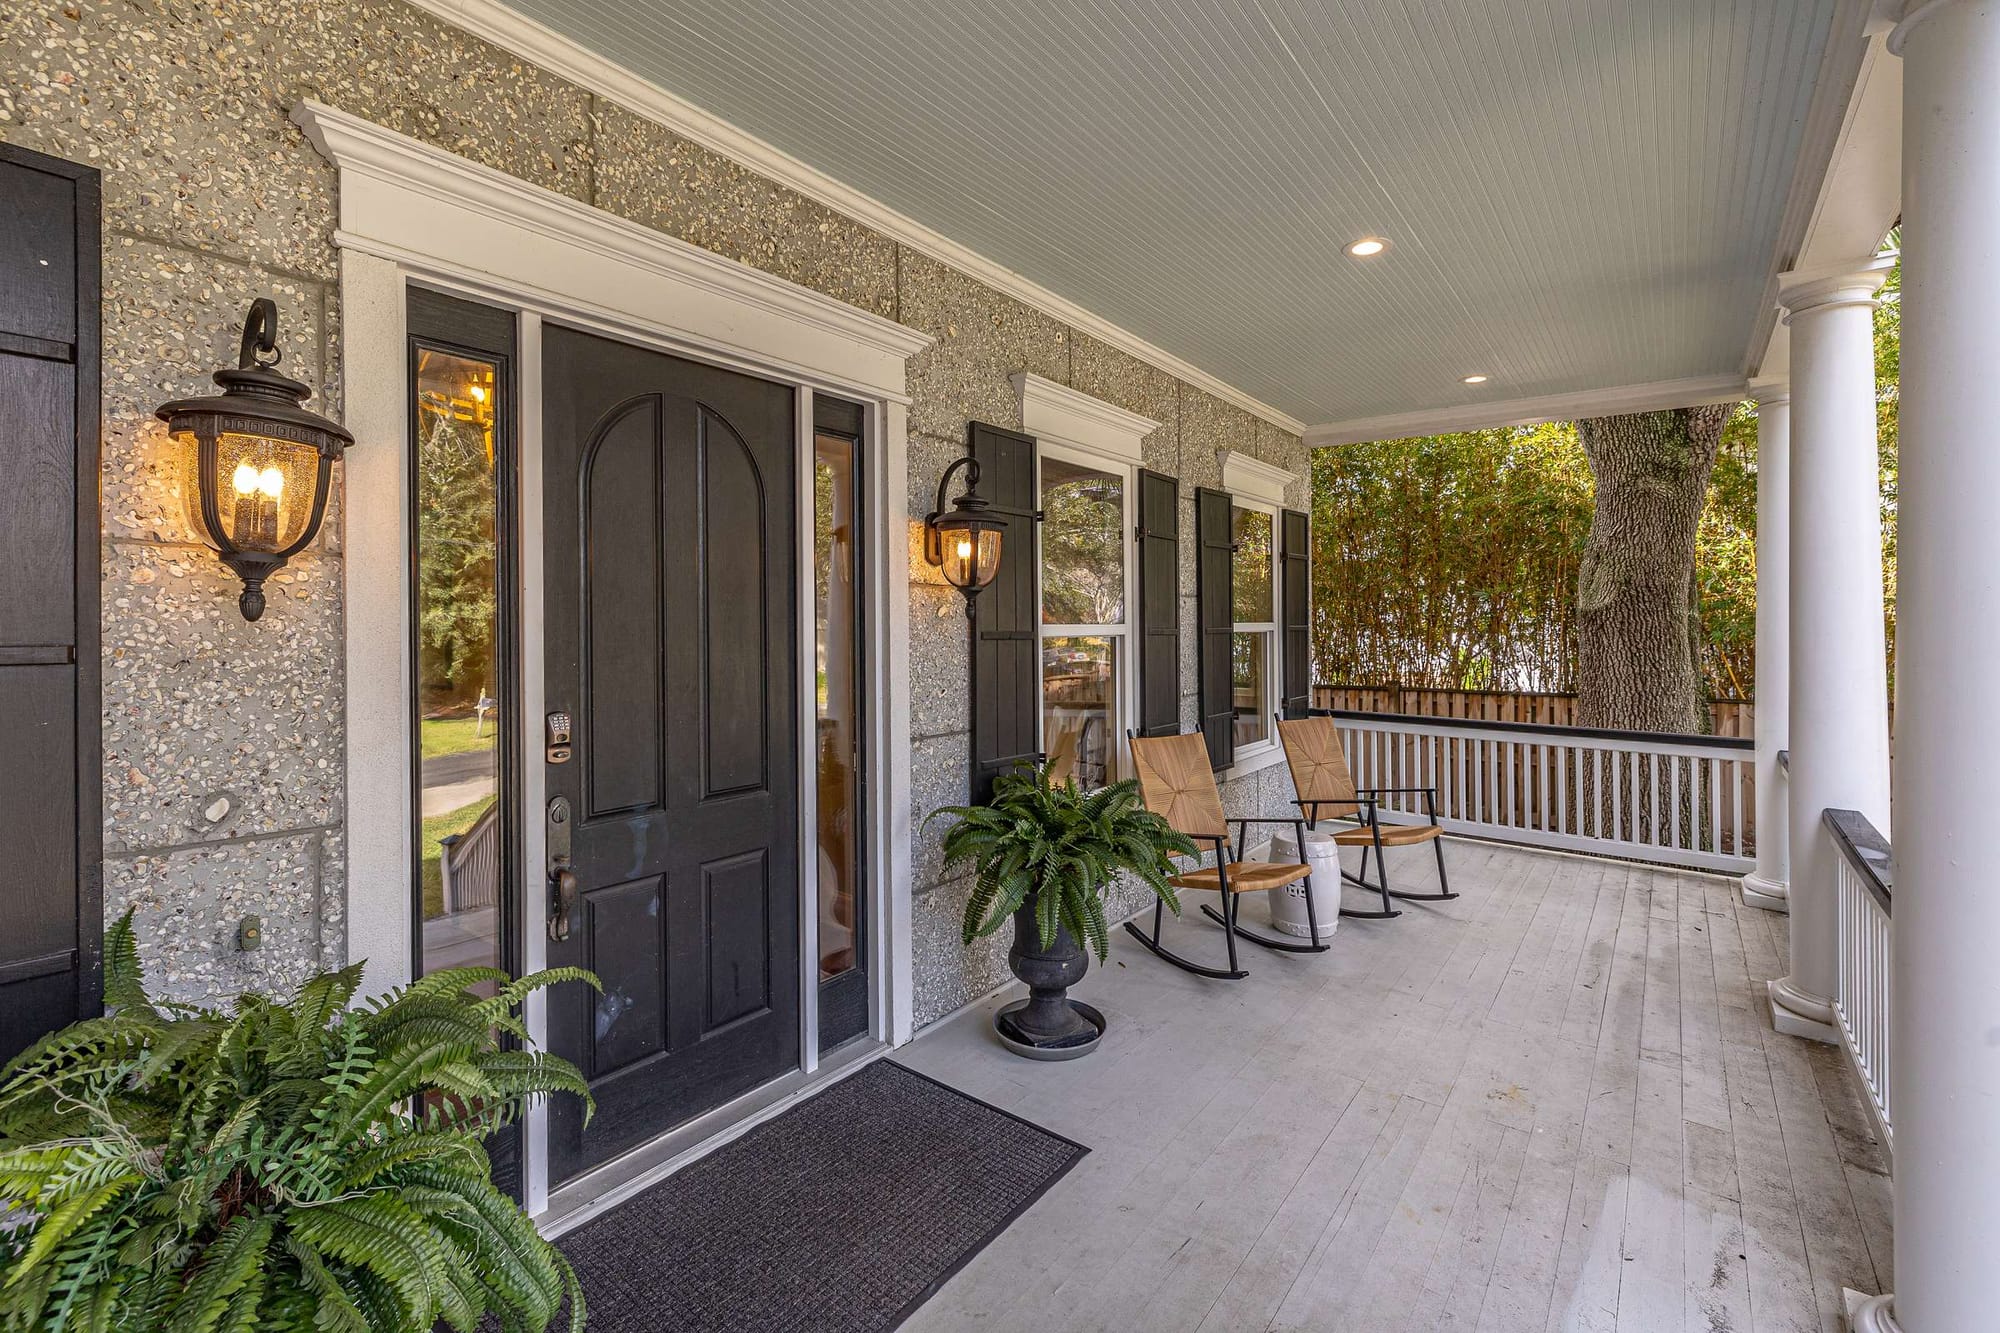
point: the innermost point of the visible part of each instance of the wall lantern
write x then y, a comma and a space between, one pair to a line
254, 463
964, 543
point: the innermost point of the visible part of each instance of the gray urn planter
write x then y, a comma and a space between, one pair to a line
1048, 1025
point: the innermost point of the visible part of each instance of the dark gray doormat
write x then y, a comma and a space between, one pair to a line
842, 1215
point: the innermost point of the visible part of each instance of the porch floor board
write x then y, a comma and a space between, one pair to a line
1555, 1103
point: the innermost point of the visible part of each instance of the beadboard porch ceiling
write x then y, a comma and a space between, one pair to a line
1579, 194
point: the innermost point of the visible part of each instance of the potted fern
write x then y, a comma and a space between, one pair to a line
1045, 855
290, 1165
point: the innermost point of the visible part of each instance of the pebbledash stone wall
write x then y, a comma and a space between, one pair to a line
223, 741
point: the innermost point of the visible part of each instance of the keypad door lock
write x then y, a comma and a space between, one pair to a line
559, 747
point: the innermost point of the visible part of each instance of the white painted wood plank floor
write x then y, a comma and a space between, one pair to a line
1555, 1103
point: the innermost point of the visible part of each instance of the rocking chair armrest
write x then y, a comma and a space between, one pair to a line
1360, 802
1399, 791
1267, 819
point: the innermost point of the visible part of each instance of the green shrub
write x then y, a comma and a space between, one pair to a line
288, 1165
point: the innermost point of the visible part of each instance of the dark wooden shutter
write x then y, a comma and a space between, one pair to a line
1215, 617
1159, 605
51, 860
1295, 619
1006, 675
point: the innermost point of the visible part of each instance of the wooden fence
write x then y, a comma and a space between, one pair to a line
1732, 717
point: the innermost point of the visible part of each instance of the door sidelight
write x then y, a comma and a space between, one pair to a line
562, 876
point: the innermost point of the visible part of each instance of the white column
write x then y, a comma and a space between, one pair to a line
1945, 1096
1839, 706
1766, 886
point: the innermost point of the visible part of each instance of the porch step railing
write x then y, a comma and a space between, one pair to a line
1671, 800
469, 863
1864, 880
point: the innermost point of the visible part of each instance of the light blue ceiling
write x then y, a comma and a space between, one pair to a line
1581, 193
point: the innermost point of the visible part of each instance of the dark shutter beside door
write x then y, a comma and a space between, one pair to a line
1006, 677
1159, 605
51, 879
1295, 618
1215, 616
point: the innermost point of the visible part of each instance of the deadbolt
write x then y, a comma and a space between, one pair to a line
559, 747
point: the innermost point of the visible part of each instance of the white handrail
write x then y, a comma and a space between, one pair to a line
1672, 800
1867, 934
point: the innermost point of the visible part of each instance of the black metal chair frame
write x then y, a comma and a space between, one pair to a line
1227, 917
1367, 801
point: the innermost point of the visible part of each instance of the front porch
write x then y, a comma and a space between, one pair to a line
1555, 1103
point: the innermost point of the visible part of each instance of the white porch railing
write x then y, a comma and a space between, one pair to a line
1865, 878
469, 864
1674, 800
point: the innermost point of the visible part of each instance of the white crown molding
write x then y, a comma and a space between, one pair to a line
1244, 475
491, 21
1049, 411
1651, 397
433, 212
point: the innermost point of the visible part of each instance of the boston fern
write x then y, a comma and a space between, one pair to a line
290, 1165
1059, 848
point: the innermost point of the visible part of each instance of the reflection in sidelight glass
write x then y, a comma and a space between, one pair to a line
837, 740
1083, 545
459, 720
1080, 707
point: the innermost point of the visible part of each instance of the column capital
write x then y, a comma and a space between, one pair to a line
1913, 12
1770, 392
1804, 290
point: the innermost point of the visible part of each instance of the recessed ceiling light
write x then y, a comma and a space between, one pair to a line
1367, 246
1473, 379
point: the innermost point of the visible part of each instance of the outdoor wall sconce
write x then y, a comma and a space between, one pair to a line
254, 463
964, 543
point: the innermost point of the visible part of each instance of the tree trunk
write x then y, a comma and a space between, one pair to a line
1638, 606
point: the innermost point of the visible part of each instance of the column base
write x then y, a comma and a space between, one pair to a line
1773, 895
1870, 1314
1797, 1014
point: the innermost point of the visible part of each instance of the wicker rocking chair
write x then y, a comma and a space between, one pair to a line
1177, 784
1323, 785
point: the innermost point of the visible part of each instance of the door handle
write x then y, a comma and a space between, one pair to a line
561, 871
562, 899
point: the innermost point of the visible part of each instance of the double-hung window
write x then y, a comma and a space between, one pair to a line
1253, 596
1086, 568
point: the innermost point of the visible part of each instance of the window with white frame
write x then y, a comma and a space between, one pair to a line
1254, 610
1086, 556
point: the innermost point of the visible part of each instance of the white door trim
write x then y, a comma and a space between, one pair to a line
412, 212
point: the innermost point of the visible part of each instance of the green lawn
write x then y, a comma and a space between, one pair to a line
435, 830
453, 735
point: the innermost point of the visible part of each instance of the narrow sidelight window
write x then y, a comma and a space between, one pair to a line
838, 741
463, 714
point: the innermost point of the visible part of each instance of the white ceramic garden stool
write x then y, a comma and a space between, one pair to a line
1288, 905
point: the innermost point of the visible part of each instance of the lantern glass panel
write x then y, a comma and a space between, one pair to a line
264, 489
971, 558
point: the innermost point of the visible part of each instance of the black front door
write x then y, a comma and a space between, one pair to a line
671, 627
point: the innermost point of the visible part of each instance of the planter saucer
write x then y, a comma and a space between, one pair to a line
1084, 1011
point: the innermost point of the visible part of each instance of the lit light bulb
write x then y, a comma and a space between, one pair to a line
244, 478
964, 549
271, 482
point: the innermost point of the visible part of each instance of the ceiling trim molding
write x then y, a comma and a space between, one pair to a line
1651, 397
1060, 415
1829, 116
491, 21
398, 196
1244, 475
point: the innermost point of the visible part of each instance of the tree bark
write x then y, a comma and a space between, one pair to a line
1638, 606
